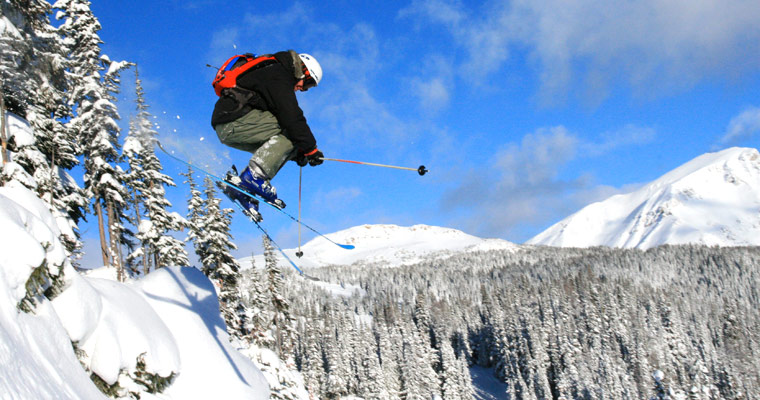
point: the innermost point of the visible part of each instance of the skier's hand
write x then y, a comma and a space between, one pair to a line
312, 158
315, 158
301, 160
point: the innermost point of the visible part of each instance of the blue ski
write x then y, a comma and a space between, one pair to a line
261, 228
245, 192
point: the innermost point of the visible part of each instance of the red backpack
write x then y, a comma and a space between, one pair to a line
226, 76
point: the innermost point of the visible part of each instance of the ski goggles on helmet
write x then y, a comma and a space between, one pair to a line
308, 80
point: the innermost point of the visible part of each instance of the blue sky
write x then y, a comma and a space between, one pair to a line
523, 111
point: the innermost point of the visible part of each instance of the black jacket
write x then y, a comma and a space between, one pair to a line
273, 88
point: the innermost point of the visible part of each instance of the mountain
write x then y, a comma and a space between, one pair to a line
389, 244
713, 199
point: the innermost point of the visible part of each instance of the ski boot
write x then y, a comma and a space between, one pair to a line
249, 204
260, 187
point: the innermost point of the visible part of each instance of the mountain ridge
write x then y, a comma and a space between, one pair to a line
386, 243
713, 199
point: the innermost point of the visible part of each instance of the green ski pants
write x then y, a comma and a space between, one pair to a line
258, 133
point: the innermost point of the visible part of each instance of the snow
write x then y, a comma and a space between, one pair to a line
187, 303
341, 289
486, 385
712, 200
19, 129
391, 245
170, 318
7, 28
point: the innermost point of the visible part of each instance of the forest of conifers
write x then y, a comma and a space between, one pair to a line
597, 323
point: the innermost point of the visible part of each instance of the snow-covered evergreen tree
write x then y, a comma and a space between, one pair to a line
195, 214
312, 365
370, 373
215, 244
34, 80
284, 324
159, 247
94, 83
388, 337
258, 306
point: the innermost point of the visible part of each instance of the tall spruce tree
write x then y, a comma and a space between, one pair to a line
134, 154
284, 324
258, 306
215, 242
155, 223
94, 83
34, 80
195, 214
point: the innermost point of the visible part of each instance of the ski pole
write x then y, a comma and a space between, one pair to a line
420, 170
299, 253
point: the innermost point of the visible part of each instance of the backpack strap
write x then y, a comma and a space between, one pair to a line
237, 65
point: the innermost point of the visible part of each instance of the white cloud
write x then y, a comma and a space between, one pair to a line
652, 45
628, 135
432, 84
522, 188
337, 197
525, 189
743, 126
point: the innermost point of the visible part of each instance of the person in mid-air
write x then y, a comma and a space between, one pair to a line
258, 112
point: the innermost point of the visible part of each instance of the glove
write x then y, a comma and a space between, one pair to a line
312, 158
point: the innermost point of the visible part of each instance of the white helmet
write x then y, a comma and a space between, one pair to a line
311, 63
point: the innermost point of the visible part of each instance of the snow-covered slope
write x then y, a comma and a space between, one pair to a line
713, 199
388, 244
170, 319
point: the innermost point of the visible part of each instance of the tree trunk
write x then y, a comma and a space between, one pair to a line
52, 180
101, 231
6, 159
136, 201
113, 234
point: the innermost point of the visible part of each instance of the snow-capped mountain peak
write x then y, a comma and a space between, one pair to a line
389, 244
713, 199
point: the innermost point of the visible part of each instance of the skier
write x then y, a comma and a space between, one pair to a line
260, 115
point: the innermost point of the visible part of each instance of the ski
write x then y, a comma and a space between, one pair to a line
245, 192
246, 212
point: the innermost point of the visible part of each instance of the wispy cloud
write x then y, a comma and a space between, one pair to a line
433, 85
626, 136
651, 45
742, 126
337, 198
525, 189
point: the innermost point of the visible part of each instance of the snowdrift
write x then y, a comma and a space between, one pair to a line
168, 322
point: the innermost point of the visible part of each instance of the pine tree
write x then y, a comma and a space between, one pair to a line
134, 154
34, 81
94, 82
337, 360
18, 52
389, 359
195, 215
159, 247
258, 306
283, 322
218, 263
370, 373
312, 367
